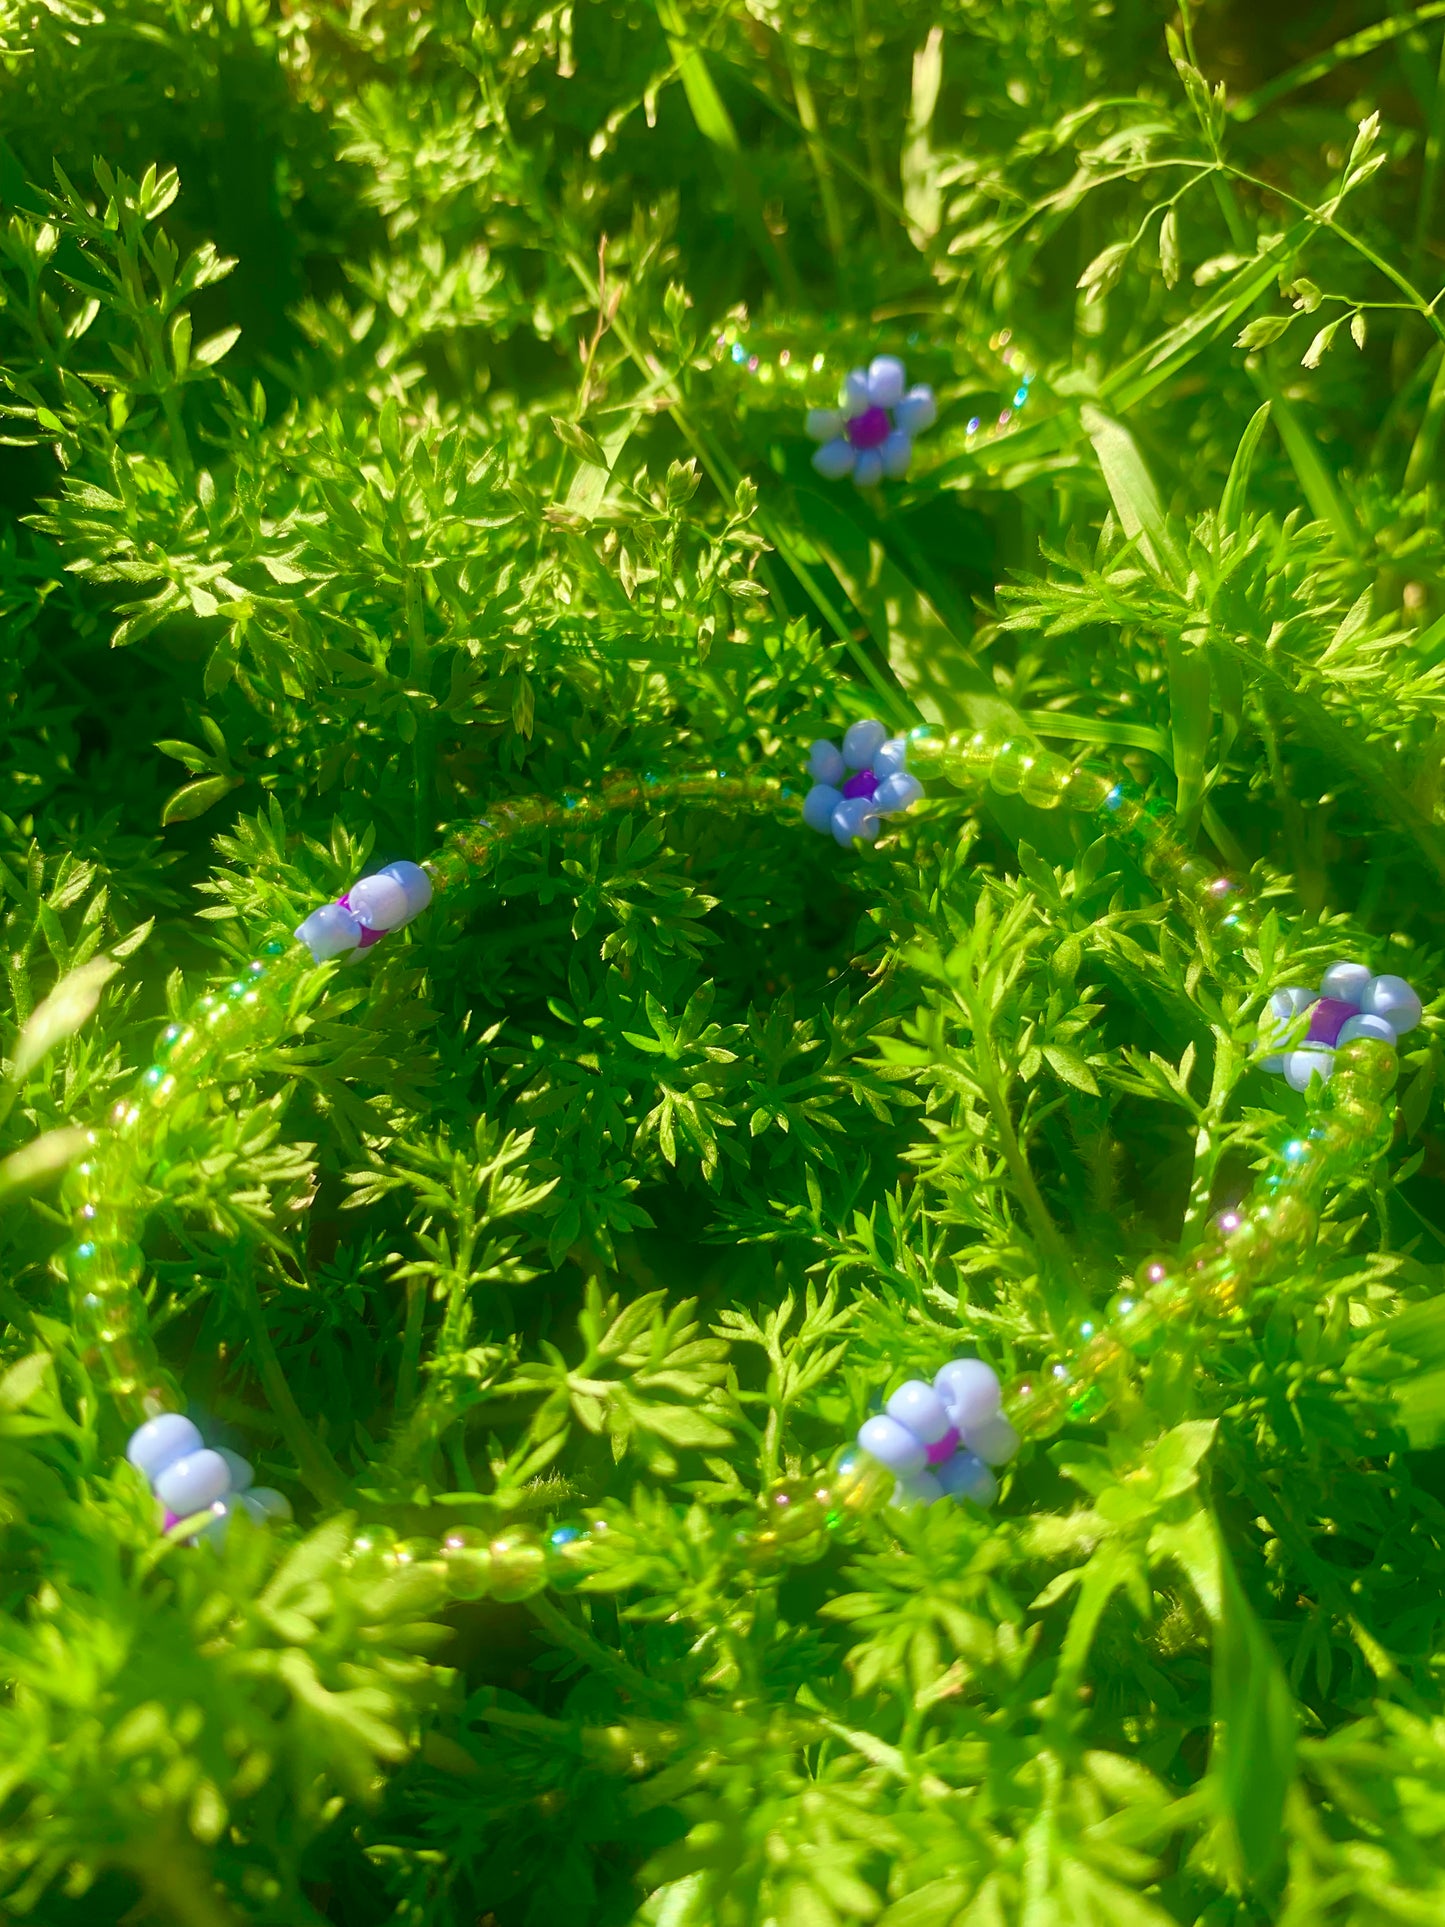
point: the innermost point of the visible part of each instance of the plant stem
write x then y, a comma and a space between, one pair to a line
319, 1471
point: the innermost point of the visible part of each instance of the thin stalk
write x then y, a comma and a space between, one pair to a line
319, 1471
817, 150
1207, 1142
406, 1378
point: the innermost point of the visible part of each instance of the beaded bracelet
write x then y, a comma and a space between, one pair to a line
932, 1441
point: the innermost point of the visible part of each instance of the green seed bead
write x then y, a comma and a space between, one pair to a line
1046, 780
1135, 1322
103, 1264
927, 745
1037, 1404
1123, 804
859, 1485
1087, 787
569, 1548
519, 1565
1011, 766
467, 1556
793, 1522
1367, 1067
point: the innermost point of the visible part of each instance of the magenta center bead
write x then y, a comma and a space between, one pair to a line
369, 937
870, 429
865, 783
1328, 1018
943, 1448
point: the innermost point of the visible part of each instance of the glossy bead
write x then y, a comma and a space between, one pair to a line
860, 1484
1345, 981
1366, 1025
926, 746
826, 765
1123, 803
1365, 1067
995, 1440
329, 932
1087, 788
264, 1502
891, 759
467, 1556
855, 821
862, 741
1394, 1000
378, 902
793, 1522
519, 1565
893, 1445
886, 381
97, 1264
192, 1483
971, 757
1036, 1405
1010, 766
242, 1476
965, 1476
917, 411
897, 793
160, 1442
970, 1390
819, 805
1045, 780
1134, 1321
920, 1410
1302, 1067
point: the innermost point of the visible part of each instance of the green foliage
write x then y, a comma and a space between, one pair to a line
367, 457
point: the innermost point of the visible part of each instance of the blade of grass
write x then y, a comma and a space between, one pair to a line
1318, 65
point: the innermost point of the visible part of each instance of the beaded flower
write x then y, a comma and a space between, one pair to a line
848, 806
1349, 1003
378, 903
870, 433
188, 1477
941, 1439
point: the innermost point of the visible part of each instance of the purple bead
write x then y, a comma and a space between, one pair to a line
171, 1519
369, 937
870, 429
865, 783
943, 1448
1328, 1018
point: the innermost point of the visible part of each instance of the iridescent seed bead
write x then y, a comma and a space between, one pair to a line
1010, 766
519, 1565
1123, 803
1087, 787
1366, 1067
793, 1521
1045, 780
621, 790
1037, 1404
1134, 1321
467, 1556
926, 747
568, 1550
859, 1485
1284, 1228
975, 756
274, 947
1101, 1358
103, 1264
1193, 875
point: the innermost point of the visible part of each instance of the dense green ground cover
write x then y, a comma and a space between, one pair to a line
369, 457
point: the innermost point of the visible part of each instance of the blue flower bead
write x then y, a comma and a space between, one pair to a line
848, 806
941, 1440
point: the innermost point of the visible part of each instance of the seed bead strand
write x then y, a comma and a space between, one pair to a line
106, 1192
798, 1519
